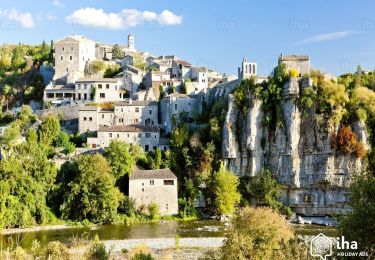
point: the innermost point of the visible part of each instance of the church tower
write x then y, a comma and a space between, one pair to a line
247, 70
131, 41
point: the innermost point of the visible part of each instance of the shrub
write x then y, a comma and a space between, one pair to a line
256, 233
293, 73
345, 141
140, 252
98, 251
56, 250
153, 210
127, 206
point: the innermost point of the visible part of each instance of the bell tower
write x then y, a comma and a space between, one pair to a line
131, 41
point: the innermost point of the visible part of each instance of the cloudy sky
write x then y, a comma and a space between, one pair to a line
338, 35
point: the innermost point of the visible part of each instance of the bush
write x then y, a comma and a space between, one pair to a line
345, 141
256, 233
127, 206
140, 252
153, 210
56, 250
98, 251
293, 73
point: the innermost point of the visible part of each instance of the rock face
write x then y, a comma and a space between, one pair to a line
313, 176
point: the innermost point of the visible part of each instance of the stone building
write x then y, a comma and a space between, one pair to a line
71, 56
176, 106
100, 90
154, 186
148, 137
247, 70
299, 62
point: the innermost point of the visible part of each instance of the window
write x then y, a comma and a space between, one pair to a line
107, 86
85, 119
71, 48
102, 115
85, 86
150, 111
168, 182
67, 69
136, 120
50, 95
71, 57
137, 109
110, 134
118, 135
102, 95
140, 135
143, 189
147, 148
61, 58
147, 135
152, 182
63, 49
175, 106
120, 95
85, 96
79, 96
90, 118
100, 86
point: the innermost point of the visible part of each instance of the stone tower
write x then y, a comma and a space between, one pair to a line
131, 41
247, 70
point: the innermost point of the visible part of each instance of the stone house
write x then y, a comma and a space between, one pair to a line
176, 105
154, 186
100, 90
147, 137
71, 56
180, 69
299, 62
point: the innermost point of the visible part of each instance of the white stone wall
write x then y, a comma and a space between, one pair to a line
129, 114
139, 138
88, 121
164, 195
104, 91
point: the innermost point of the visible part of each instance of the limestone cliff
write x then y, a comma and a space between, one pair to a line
313, 176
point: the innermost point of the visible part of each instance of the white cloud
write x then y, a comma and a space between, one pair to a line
326, 37
58, 3
51, 17
25, 20
126, 18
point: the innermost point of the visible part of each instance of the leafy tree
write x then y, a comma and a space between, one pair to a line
260, 190
11, 135
92, 194
48, 129
119, 158
333, 99
31, 136
7, 92
17, 59
26, 116
258, 233
358, 225
26, 178
153, 210
227, 196
117, 53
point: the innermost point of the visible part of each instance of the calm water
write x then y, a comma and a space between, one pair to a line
200, 228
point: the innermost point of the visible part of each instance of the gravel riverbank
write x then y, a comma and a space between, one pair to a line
165, 243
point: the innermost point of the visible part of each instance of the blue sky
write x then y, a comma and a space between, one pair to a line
338, 35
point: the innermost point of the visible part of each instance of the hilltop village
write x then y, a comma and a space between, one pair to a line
182, 125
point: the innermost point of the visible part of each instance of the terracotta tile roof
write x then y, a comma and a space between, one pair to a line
110, 80
152, 174
129, 128
182, 62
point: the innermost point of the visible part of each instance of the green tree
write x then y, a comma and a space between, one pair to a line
117, 53
26, 178
227, 196
119, 158
17, 59
358, 225
7, 92
260, 190
48, 129
26, 116
11, 135
92, 194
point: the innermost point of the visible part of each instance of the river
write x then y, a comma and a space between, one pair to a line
170, 229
